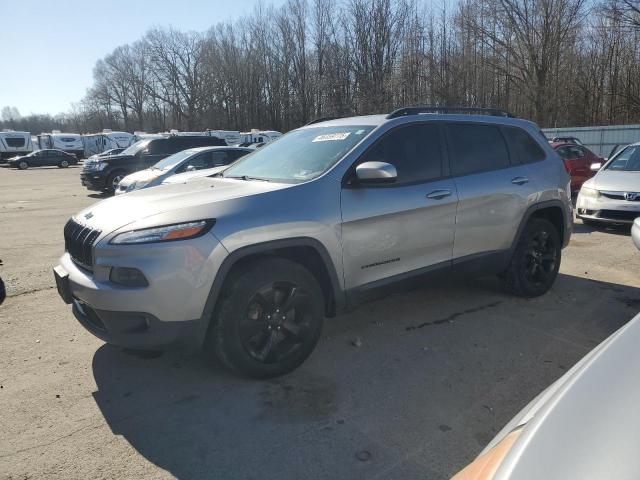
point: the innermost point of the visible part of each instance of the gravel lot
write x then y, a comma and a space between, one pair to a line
440, 370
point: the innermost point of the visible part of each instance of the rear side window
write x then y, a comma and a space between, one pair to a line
414, 150
158, 147
571, 152
476, 148
524, 148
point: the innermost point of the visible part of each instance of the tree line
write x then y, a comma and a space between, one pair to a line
557, 62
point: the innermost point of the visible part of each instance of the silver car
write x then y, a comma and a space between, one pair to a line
190, 160
584, 426
248, 263
191, 176
613, 194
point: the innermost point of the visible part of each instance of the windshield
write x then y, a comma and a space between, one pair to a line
300, 155
136, 147
628, 160
172, 160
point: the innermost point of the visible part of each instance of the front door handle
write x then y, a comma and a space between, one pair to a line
519, 180
438, 194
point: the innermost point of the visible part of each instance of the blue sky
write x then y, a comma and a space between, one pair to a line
49, 48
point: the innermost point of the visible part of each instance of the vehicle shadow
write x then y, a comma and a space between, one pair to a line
437, 373
99, 195
615, 229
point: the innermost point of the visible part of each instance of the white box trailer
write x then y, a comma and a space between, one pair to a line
232, 137
67, 142
138, 135
259, 136
14, 143
101, 142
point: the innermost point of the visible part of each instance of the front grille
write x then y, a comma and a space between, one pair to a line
619, 215
78, 241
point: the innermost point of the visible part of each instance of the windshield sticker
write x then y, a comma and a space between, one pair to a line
331, 137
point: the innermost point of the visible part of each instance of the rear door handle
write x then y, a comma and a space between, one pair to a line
438, 194
519, 180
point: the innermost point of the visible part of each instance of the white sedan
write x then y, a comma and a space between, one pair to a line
613, 194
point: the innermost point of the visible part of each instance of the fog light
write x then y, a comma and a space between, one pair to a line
129, 277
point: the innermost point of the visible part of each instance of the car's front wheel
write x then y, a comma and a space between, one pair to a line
113, 181
269, 318
536, 260
63, 164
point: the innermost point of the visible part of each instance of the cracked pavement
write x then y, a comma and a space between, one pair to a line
439, 371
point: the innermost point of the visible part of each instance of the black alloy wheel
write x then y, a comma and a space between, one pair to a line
277, 322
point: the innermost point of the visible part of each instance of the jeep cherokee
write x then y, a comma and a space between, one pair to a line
332, 214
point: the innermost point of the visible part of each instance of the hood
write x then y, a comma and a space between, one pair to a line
116, 212
186, 176
142, 176
591, 409
616, 181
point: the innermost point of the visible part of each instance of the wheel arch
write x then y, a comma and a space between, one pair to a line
306, 251
552, 210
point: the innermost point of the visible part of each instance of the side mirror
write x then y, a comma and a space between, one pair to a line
596, 166
191, 168
376, 172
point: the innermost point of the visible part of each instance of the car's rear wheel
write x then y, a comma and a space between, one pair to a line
23, 164
63, 164
536, 260
269, 318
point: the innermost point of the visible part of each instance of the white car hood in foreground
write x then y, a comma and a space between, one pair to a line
186, 176
587, 424
116, 212
615, 181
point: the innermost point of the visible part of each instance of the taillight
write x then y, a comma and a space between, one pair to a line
567, 167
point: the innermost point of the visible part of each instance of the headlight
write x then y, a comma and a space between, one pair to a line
589, 192
165, 233
96, 166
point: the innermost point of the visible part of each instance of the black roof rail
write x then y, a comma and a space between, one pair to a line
494, 112
321, 119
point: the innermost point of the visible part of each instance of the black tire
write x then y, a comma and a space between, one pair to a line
63, 164
113, 180
249, 321
536, 260
23, 164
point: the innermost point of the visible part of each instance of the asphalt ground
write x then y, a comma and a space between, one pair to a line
409, 387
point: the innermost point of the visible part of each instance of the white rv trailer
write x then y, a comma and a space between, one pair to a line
137, 136
232, 137
68, 142
259, 136
14, 143
100, 142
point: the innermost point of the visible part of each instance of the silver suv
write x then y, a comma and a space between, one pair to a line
332, 214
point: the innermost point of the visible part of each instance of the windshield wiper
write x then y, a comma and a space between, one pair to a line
247, 177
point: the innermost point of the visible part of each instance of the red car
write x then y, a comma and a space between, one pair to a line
577, 160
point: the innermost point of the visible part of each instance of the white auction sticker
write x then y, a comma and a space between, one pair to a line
331, 137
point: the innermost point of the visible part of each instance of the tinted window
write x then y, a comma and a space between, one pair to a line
158, 147
524, 148
414, 150
476, 148
236, 154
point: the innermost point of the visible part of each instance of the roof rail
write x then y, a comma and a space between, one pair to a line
320, 119
494, 112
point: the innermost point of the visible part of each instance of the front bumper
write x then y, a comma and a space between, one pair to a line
93, 180
607, 210
167, 312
